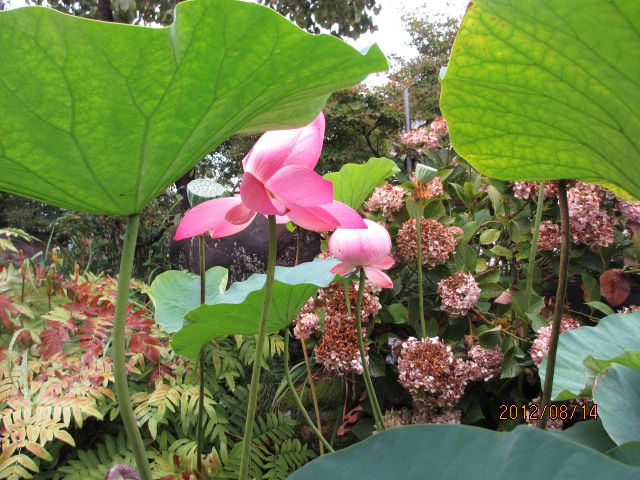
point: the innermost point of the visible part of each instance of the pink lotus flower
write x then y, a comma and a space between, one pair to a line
278, 180
368, 249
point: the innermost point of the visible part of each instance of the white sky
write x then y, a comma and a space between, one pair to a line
391, 36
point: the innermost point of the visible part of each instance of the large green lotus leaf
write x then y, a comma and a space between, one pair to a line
355, 182
611, 338
454, 452
238, 310
175, 293
628, 453
617, 394
548, 89
101, 117
590, 433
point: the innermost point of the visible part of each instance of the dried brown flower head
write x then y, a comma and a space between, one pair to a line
483, 364
386, 199
428, 367
459, 293
397, 418
338, 348
425, 190
438, 243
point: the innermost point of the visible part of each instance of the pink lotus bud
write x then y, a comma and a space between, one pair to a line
367, 248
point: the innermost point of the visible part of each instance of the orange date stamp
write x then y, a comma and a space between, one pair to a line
552, 411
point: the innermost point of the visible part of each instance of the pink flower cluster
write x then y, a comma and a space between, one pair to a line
631, 210
428, 367
438, 242
304, 325
483, 364
549, 239
420, 138
439, 126
590, 224
540, 346
526, 190
386, 199
459, 293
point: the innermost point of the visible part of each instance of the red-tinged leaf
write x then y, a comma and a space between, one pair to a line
38, 450
615, 287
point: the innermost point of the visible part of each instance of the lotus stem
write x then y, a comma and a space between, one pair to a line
303, 411
373, 399
203, 353
314, 397
245, 459
560, 295
534, 243
423, 325
339, 413
119, 361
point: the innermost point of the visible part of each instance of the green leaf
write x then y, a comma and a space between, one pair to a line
610, 338
355, 182
489, 236
601, 307
500, 251
617, 394
548, 89
589, 433
590, 288
454, 452
395, 313
175, 293
629, 358
488, 337
510, 365
497, 200
628, 453
466, 258
102, 117
238, 310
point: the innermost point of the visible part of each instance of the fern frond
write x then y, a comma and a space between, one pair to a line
94, 464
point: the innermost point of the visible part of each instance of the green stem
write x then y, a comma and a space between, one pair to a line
423, 325
303, 411
560, 295
203, 353
339, 416
312, 386
375, 406
534, 243
254, 388
119, 368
